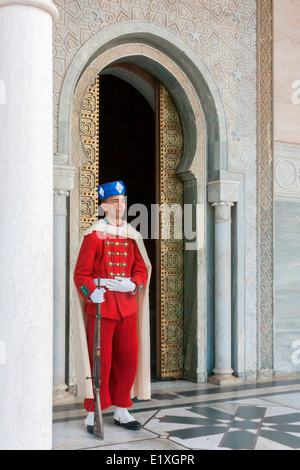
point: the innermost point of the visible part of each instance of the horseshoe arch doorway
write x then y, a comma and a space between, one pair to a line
132, 132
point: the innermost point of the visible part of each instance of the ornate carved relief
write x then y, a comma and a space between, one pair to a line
170, 252
63, 183
265, 187
89, 175
287, 172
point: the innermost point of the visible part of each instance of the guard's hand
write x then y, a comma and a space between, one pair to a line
120, 284
98, 296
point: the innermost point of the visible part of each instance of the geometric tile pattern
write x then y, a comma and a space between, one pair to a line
239, 430
185, 416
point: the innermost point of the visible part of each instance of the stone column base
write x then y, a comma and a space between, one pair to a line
224, 379
61, 396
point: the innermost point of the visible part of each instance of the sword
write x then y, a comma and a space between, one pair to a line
98, 421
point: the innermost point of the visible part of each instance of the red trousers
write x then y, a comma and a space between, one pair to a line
119, 350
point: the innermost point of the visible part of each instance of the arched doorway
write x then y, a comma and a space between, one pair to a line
136, 136
204, 150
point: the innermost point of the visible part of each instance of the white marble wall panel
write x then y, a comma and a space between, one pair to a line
287, 257
287, 290
286, 70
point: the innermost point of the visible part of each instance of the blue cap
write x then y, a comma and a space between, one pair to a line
116, 188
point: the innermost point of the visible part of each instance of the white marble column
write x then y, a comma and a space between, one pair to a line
223, 195
63, 184
26, 224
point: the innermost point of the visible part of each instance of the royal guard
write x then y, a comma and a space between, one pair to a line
113, 251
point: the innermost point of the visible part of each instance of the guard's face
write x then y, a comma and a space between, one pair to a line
115, 206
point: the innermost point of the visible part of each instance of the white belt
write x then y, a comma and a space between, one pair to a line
104, 281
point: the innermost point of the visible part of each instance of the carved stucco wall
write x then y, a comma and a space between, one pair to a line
223, 34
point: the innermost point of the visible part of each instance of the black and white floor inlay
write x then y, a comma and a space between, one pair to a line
183, 416
244, 427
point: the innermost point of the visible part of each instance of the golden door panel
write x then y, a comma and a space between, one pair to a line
89, 179
170, 246
169, 192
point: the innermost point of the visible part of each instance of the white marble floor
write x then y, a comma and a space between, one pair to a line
184, 416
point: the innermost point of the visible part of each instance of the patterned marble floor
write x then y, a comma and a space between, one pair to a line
184, 416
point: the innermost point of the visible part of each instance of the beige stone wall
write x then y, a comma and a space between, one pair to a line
287, 71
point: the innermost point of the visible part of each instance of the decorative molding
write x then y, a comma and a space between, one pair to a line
223, 191
223, 212
63, 183
287, 172
89, 171
46, 5
265, 169
60, 159
63, 179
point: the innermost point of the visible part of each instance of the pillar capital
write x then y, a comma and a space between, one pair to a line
46, 5
63, 183
223, 191
222, 211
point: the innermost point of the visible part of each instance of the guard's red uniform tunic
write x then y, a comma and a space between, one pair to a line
107, 256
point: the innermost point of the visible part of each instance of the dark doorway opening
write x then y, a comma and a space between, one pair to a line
127, 153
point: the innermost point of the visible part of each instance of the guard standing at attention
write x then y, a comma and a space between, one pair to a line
112, 250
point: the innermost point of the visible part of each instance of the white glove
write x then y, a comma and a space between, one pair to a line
120, 284
98, 296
